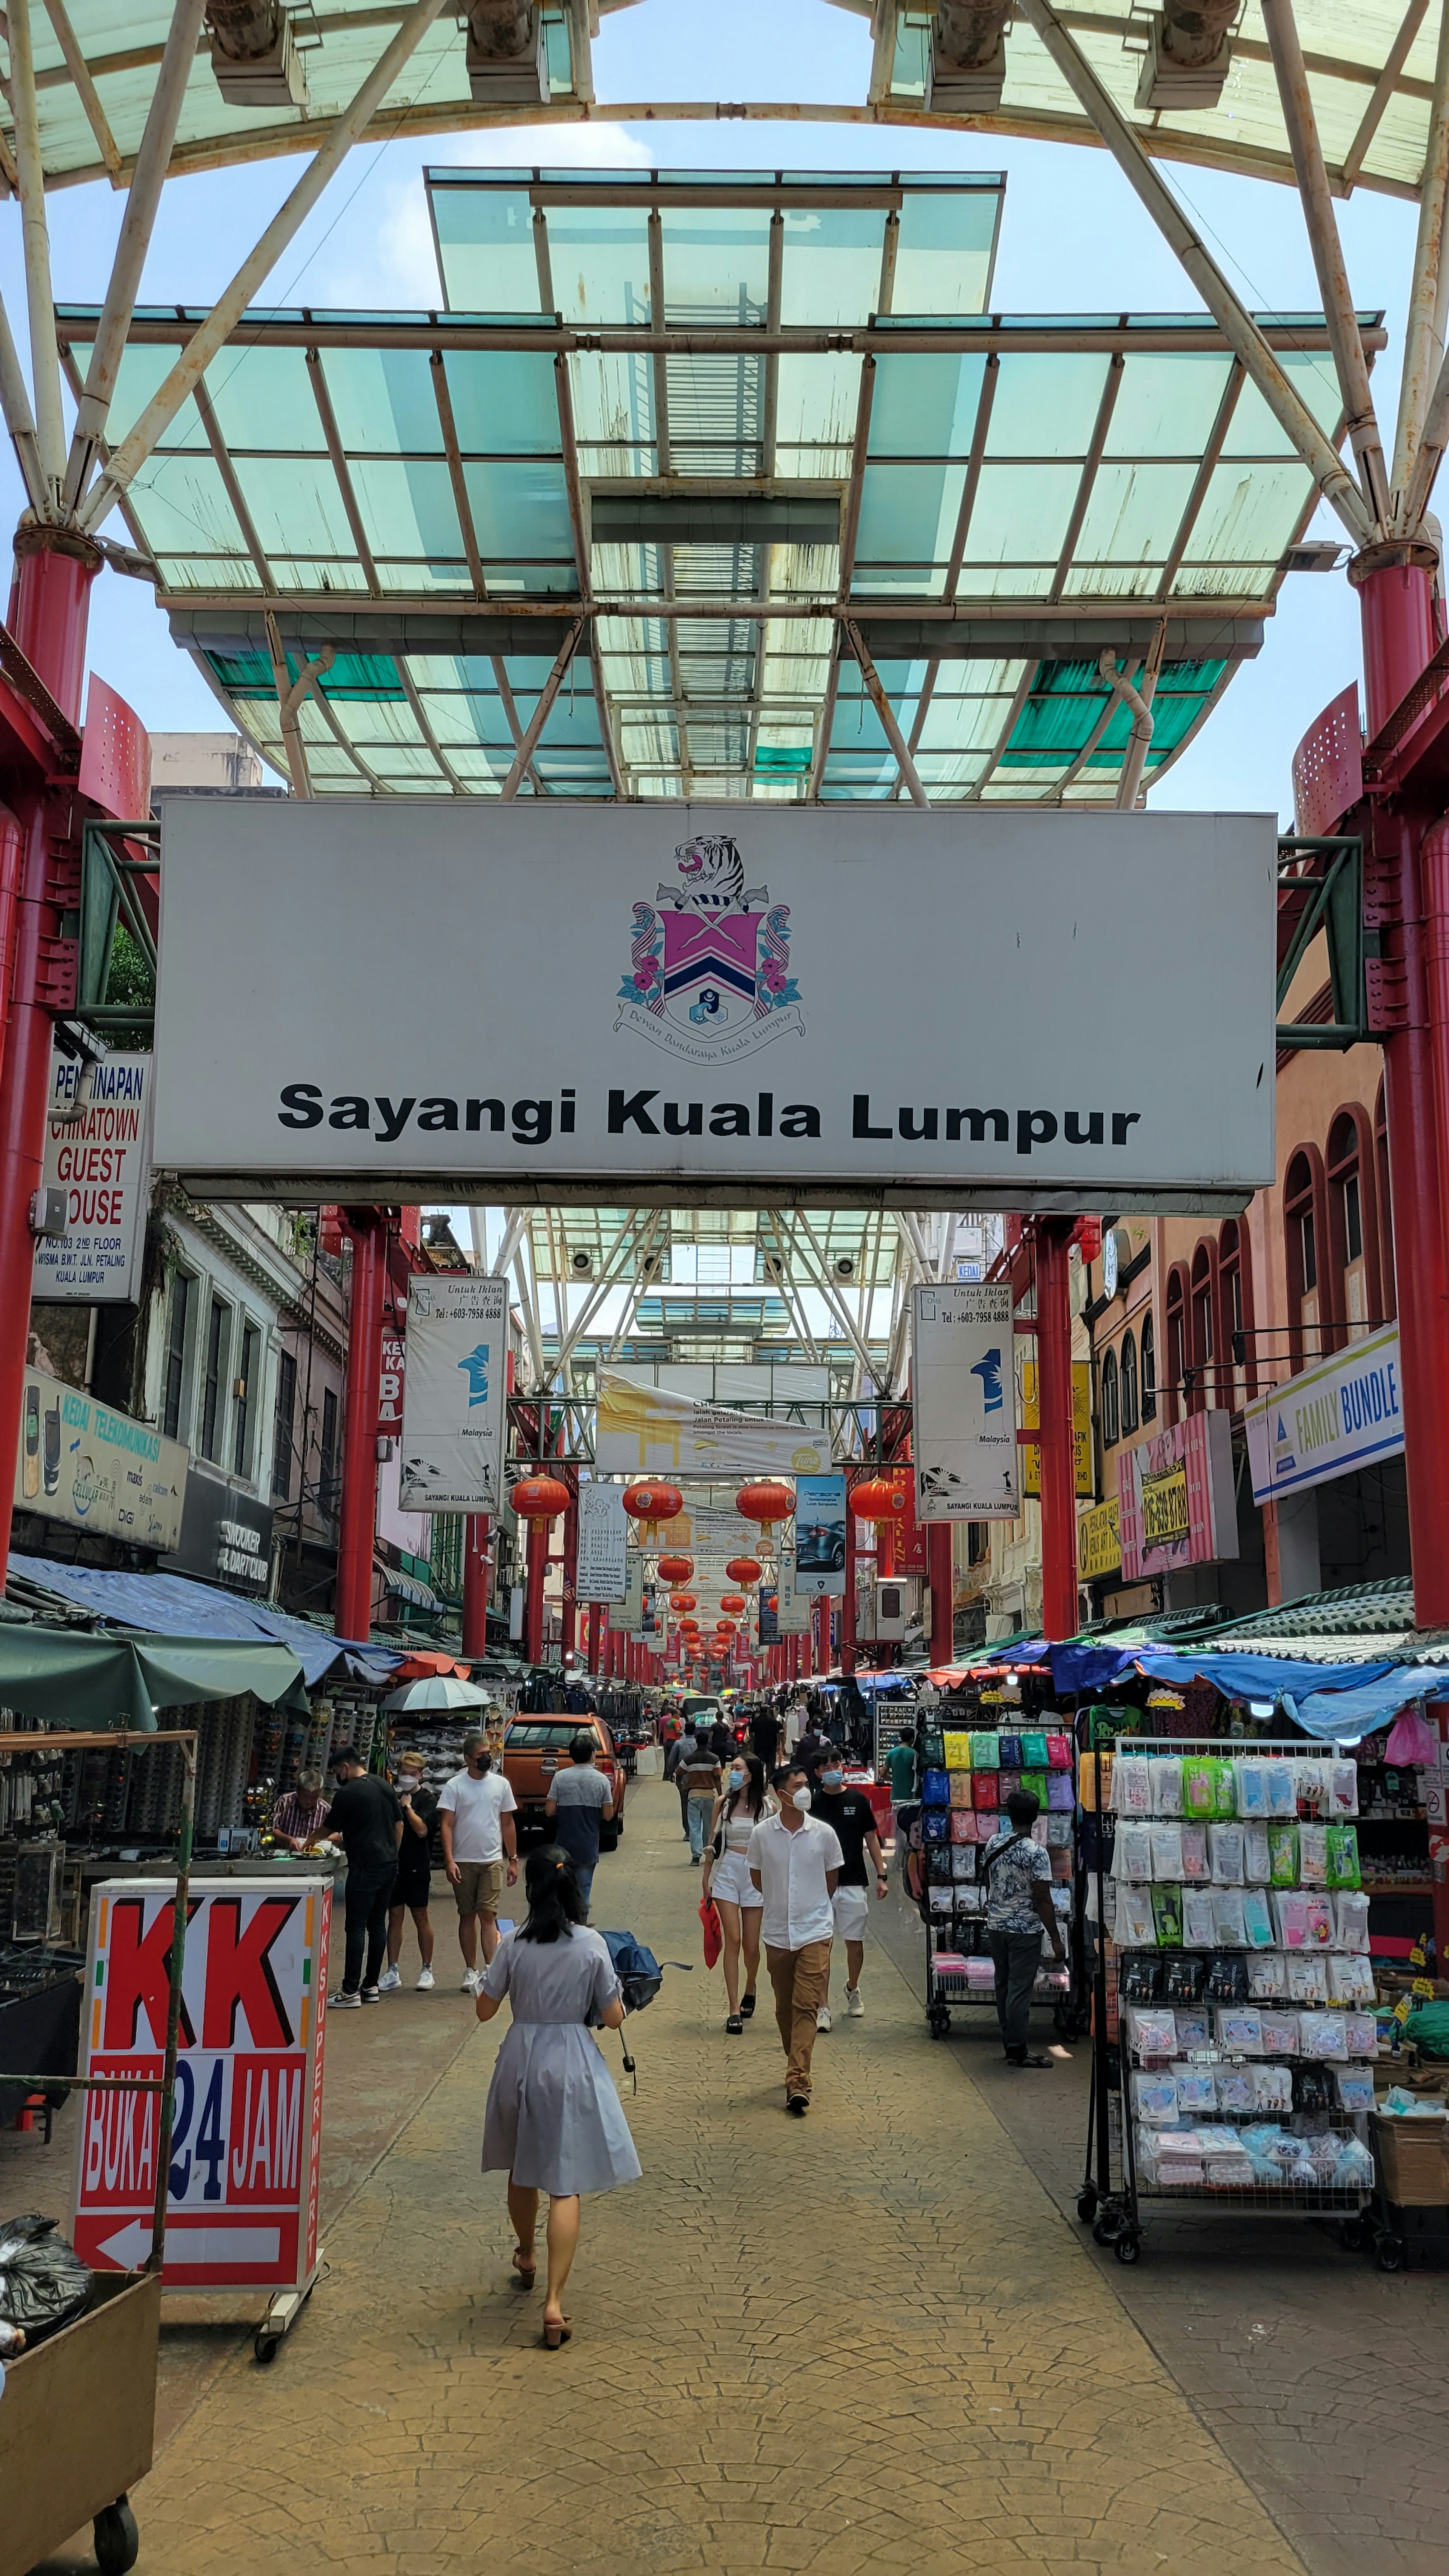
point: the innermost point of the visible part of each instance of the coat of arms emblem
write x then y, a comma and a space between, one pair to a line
709, 967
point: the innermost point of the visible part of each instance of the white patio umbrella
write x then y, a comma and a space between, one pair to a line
439, 1691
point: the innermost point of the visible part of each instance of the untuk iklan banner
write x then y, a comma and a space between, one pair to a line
454, 1395
963, 1399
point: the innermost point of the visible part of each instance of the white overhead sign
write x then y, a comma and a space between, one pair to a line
454, 1394
886, 999
603, 1543
963, 1394
98, 1150
1340, 1414
643, 1429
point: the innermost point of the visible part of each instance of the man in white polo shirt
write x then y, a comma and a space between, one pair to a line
475, 1821
795, 1862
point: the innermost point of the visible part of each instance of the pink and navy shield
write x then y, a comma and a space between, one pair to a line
700, 948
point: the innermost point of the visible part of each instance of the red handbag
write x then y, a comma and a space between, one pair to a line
713, 1936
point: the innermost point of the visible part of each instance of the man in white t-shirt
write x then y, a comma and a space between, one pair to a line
480, 1850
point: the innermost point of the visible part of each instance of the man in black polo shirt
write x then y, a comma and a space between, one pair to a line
367, 1819
851, 1817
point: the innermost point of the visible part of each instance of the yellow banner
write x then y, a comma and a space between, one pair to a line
1081, 1428
1099, 1546
1165, 1515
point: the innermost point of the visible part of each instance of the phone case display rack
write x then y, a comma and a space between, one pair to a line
962, 1803
1235, 2077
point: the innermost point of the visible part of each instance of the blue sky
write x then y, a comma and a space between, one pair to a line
1074, 239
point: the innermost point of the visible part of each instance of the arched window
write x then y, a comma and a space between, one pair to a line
1127, 1380
1237, 1373
1353, 1231
1309, 1307
1177, 1347
1111, 1426
1201, 1348
1149, 1370
1388, 1285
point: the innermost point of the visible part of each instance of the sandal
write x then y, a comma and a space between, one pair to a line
734, 2025
556, 2334
747, 2006
525, 2274
1027, 2061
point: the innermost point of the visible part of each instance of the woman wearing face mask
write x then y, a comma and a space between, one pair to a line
744, 1802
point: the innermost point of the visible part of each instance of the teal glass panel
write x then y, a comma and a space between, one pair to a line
944, 251
1253, 430
182, 507
1046, 402
908, 514
485, 248
1166, 404
816, 408
1058, 717
369, 677
1248, 515
263, 399
408, 509
325, 573
963, 724
599, 255
1020, 514
925, 405
209, 572
573, 717
458, 719
440, 573
1133, 513
716, 413
295, 505
383, 401
504, 402
243, 675
614, 404
832, 265
520, 509
142, 369
716, 262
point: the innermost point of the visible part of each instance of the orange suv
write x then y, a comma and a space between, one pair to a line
534, 1748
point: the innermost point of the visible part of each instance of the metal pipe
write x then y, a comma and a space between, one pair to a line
352, 1609
1423, 342
1140, 739
887, 715
1323, 239
39, 296
20, 419
126, 461
1056, 1445
990, 334
1291, 413
541, 712
142, 201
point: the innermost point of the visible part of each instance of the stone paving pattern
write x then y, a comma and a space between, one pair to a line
863, 2340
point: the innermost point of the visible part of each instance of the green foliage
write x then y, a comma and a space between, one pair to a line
130, 980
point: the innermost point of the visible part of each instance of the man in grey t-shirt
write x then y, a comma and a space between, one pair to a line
578, 1803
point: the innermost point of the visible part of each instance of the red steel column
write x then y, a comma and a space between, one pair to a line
596, 1620
1396, 608
357, 1528
847, 1606
53, 579
1058, 1468
942, 1577
571, 1569
533, 1599
476, 1570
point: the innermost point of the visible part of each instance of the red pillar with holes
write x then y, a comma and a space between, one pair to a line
357, 1523
476, 1570
1058, 1464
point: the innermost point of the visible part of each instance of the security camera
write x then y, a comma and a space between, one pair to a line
581, 1265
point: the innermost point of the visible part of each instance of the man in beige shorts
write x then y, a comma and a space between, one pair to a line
480, 1850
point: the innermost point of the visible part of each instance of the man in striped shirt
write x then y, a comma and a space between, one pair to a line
299, 1817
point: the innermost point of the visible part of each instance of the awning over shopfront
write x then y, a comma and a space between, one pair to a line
76, 1680
170, 1605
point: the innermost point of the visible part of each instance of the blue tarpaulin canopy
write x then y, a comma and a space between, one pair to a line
1095, 1668
170, 1605
1353, 1712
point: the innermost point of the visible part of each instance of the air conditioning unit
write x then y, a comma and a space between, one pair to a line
581, 1265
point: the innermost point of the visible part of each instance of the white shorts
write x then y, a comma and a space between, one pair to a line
730, 1878
851, 1907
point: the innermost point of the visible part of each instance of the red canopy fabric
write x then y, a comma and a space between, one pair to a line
423, 1664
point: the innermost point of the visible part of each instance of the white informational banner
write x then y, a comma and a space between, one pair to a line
100, 1154
793, 1604
820, 1535
603, 1543
241, 2212
632, 1613
963, 1396
642, 1429
454, 1394
94, 1469
756, 998
1342, 1413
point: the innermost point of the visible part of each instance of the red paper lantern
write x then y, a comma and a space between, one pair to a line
681, 1601
732, 1601
724, 1627
539, 1498
743, 1569
651, 1504
675, 1569
772, 1601
878, 1500
765, 1503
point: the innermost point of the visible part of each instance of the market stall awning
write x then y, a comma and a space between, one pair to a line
70, 1679
172, 1605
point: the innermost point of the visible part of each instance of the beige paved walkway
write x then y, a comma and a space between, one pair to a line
863, 2340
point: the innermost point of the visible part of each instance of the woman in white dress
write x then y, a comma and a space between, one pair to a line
727, 1879
554, 2122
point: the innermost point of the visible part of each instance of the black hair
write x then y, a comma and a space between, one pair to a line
784, 1771
347, 1753
582, 1749
752, 1795
1023, 1809
554, 1902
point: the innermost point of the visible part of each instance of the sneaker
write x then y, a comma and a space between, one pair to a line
822, 2017
344, 2002
371, 1995
797, 2103
855, 2009
425, 1982
470, 1982
389, 1981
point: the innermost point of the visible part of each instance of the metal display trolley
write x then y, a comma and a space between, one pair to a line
949, 1989
951, 1894
79, 2411
1115, 2190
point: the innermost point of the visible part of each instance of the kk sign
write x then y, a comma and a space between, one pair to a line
241, 2209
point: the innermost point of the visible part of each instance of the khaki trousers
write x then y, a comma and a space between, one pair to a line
801, 1980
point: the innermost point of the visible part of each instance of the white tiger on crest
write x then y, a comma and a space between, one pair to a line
714, 877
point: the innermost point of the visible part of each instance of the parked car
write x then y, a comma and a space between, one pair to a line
534, 1748
820, 1547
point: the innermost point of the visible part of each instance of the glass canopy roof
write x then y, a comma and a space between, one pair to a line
695, 424
1370, 69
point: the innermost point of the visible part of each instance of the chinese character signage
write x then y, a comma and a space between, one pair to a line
1175, 1499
